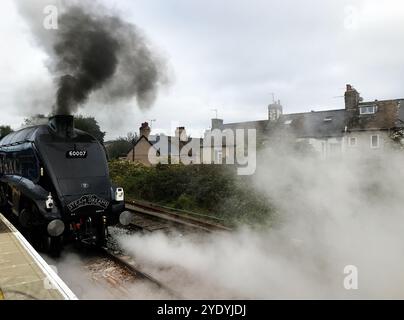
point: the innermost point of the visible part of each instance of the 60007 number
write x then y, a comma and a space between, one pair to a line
76, 154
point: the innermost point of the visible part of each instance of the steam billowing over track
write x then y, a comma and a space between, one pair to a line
152, 217
113, 271
129, 265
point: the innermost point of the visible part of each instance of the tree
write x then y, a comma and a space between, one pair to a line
121, 146
132, 137
5, 130
397, 136
87, 124
35, 120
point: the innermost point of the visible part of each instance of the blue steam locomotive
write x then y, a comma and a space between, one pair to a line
54, 182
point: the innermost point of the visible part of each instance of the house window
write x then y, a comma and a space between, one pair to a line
352, 142
327, 119
367, 110
374, 141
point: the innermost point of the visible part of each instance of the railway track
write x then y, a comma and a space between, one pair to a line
115, 272
106, 273
153, 217
129, 265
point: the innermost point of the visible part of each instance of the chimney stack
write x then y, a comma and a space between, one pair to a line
144, 130
217, 124
352, 98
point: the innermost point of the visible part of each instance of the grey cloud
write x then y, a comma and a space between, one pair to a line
232, 54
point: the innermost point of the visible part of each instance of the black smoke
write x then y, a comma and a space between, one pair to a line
94, 51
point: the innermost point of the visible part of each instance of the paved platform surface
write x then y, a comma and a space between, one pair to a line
23, 272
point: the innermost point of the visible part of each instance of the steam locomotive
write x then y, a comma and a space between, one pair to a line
54, 182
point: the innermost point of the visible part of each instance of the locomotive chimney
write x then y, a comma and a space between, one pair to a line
62, 125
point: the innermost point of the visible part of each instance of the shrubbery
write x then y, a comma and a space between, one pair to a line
208, 189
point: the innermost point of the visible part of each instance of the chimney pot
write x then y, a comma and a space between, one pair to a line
275, 110
144, 130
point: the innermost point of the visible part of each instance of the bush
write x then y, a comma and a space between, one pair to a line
209, 189
185, 202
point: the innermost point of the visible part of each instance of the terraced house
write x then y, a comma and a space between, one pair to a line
361, 126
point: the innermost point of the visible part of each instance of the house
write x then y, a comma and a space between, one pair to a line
140, 150
370, 125
151, 149
359, 127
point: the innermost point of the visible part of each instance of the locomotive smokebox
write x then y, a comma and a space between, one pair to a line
62, 125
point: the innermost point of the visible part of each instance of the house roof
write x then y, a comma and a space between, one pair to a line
330, 123
259, 125
142, 138
315, 124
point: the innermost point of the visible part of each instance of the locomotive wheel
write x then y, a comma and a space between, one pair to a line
51, 245
3, 197
25, 218
23, 221
34, 235
38, 235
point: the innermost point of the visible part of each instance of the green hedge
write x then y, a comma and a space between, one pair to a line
208, 189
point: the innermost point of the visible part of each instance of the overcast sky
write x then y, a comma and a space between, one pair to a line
229, 55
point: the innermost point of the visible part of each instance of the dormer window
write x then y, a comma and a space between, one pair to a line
367, 109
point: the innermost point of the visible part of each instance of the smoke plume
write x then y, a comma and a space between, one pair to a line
93, 50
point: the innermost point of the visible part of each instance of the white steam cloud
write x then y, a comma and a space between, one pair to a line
332, 214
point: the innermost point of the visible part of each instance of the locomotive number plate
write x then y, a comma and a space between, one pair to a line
76, 154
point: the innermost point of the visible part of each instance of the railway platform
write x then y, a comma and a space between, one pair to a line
24, 275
